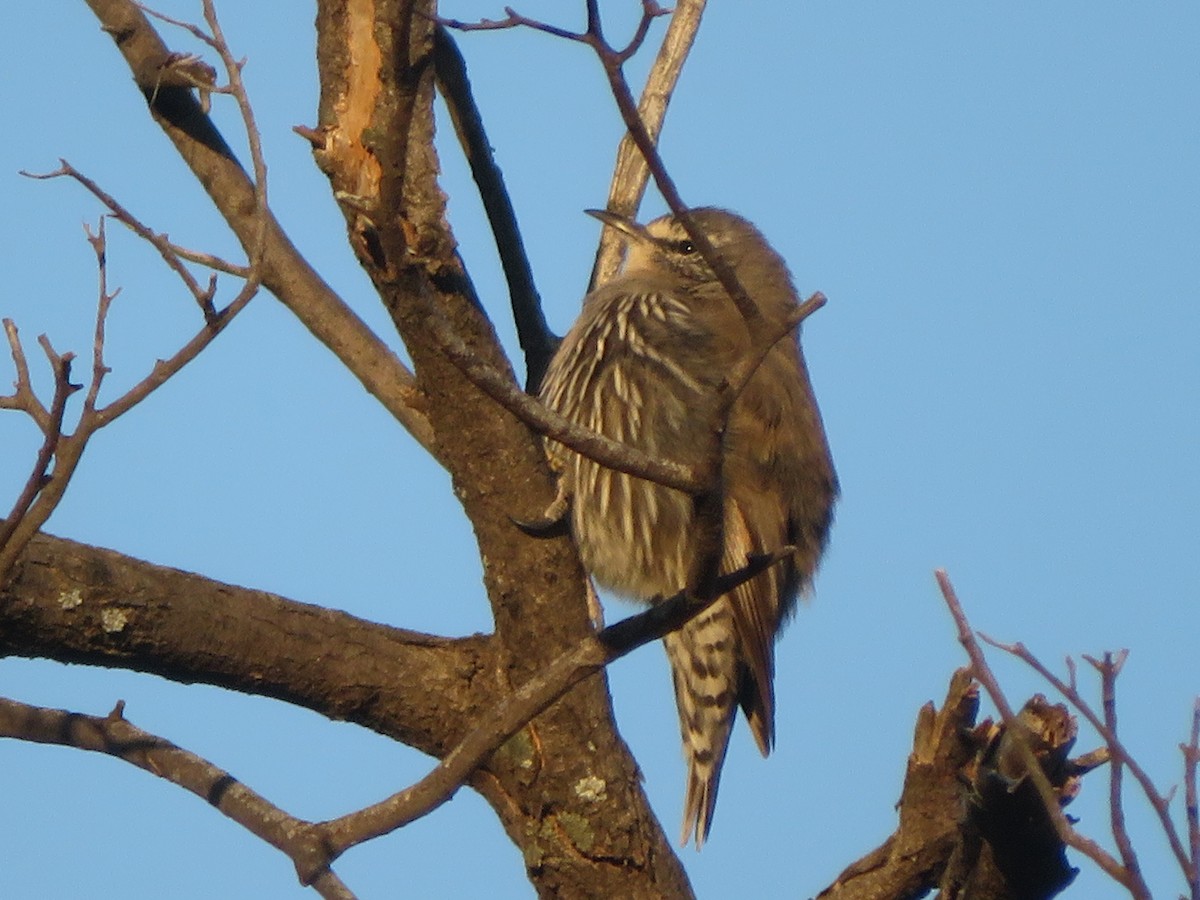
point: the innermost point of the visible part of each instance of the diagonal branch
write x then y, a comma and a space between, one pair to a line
1191, 760
115, 736
613, 61
537, 341
286, 273
630, 172
589, 655
23, 398
16, 525
545, 421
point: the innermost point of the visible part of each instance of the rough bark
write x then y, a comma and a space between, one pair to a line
79, 604
376, 121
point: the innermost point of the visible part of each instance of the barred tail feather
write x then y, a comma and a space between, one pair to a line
704, 667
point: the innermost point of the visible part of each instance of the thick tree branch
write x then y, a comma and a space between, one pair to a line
79, 604
971, 825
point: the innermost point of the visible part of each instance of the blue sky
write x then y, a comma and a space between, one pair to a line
1002, 203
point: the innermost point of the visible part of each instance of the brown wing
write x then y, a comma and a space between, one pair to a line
782, 489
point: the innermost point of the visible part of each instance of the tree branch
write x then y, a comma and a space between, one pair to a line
78, 604
1067, 834
115, 736
1159, 803
537, 341
286, 273
499, 723
12, 536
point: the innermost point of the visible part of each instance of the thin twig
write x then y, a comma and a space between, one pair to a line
286, 272
1109, 670
99, 244
38, 478
1191, 759
1158, 802
203, 297
68, 452
501, 722
984, 675
630, 171
237, 87
23, 398
613, 61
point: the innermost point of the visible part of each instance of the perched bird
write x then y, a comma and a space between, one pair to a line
643, 365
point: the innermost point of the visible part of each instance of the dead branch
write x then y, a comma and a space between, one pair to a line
1050, 800
1191, 759
12, 538
23, 398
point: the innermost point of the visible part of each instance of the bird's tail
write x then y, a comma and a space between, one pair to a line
704, 666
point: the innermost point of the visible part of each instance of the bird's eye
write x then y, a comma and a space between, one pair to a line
684, 247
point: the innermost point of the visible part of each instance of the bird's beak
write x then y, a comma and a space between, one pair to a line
626, 226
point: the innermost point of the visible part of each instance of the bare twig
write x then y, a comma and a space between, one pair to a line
1109, 668
23, 398
1158, 802
237, 88
39, 477
36, 505
286, 273
588, 656
1191, 759
115, 736
99, 244
984, 675
203, 296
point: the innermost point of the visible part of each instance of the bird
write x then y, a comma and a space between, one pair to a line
644, 364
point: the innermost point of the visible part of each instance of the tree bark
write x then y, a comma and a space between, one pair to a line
566, 788
377, 89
